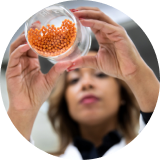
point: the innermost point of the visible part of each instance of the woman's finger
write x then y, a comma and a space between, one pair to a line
19, 41
16, 54
95, 14
99, 25
88, 8
55, 72
85, 62
32, 54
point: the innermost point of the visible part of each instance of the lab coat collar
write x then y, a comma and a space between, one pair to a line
72, 153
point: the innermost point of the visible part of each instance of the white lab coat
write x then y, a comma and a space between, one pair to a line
72, 153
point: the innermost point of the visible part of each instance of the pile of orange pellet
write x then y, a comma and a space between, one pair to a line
52, 41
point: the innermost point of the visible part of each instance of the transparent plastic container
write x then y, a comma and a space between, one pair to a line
54, 15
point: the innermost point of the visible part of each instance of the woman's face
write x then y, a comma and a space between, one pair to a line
92, 96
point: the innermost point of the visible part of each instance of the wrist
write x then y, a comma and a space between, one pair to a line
145, 86
23, 120
18, 105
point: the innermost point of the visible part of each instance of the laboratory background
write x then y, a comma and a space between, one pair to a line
43, 134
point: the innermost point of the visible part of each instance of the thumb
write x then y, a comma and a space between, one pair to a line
84, 62
56, 71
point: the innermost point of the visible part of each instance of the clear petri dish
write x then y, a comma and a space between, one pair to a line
63, 27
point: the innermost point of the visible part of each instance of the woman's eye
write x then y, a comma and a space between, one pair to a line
101, 75
73, 81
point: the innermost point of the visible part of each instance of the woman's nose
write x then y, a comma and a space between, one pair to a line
87, 83
87, 86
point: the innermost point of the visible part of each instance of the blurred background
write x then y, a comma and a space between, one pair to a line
43, 135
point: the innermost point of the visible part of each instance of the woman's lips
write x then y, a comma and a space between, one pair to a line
89, 100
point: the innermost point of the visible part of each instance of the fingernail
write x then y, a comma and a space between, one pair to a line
71, 70
73, 64
74, 10
38, 22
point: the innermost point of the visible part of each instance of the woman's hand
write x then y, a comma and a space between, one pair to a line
117, 55
27, 86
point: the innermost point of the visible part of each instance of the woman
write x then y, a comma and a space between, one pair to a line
99, 111
93, 113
